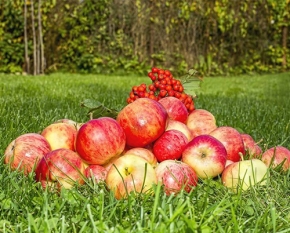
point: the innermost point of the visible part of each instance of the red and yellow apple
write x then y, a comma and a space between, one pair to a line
60, 167
99, 140
96, 172
176, 110
60, 135
169, 145
244, 174
177, 125
201, 121
232, 140
176, 176
130, 173
143, 121
25, 151
206, 155
276, 156
251, 147
143, 153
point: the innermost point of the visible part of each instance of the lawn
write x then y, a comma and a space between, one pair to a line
257, 105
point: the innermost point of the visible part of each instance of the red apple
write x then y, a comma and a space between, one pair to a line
276, 156
62, 167
232, 140
130, 173
60, 135
244, 174
251, 147
25, 151
143, 121
176, 176
176, 110
99, 140
206, 155
169, 145
201, 121
144, 153
77, 125
177, 125
97, 172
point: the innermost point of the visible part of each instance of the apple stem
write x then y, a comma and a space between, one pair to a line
127, 171
242, 156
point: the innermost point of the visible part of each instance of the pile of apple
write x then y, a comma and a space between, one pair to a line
149, 142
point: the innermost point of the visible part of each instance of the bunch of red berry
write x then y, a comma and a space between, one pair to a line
163, 84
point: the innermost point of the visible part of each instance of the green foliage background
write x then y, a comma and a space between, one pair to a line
105, 36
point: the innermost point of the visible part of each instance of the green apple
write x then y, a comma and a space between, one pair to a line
244, 174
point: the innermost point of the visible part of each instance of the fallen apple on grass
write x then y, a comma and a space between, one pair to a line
143, 153
130, 173
232, 140
175, 109
243, 174
169, 145
26, 151
60, 168
60, 135
277, 156
176, 176
143, 121
206, 155
99, 140
96, 172
251, 147
201, 121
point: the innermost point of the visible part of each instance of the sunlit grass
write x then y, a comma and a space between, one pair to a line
258, 105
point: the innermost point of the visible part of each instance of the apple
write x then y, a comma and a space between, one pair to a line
60, 135
177, 125
251, 147
99, 140
169, 145
244, 174
143, 121
97, 172
232, 140
24, 152
176, 110
201, 121
176, 176
77, 125
130, 173
275, 156
228, 162
60, 167
206, 155
144, 153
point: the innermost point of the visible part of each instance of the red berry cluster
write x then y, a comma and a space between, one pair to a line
163, 84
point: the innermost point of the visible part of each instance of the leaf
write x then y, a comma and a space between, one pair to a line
191, 82
97, 109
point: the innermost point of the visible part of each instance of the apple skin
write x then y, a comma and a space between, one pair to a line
275, 156
143, 121
77, 125
175, 109
251, 147
24, 152
201, 121
244, 174
169, 145
177, 125
143, 153
206, 155
232, 140
60, 135
175, 176
99, 140
96, 172
130, 173
60, 167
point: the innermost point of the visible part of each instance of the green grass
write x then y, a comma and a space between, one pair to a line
258, 105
